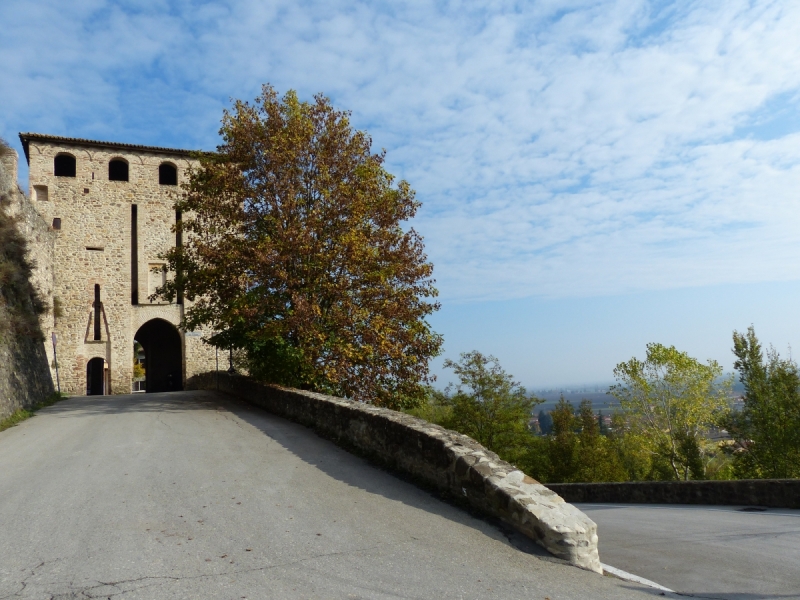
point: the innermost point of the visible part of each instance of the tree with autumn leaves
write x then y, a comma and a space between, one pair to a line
295, 254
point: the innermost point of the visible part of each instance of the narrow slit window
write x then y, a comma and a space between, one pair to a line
118, 170
134, 255
64, 165
97, 306
57, 223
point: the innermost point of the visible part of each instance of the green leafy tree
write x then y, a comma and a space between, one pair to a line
434, 407
545, 422
295, 251
575, 450
768, 427
598, 456
669, 401
719, 461
489, 406
563, 443
601, 423
633, 450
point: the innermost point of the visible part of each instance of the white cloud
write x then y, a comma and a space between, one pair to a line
560, 148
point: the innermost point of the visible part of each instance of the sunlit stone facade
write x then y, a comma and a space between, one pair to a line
111, 209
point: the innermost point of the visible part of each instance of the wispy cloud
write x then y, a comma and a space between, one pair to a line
560, 148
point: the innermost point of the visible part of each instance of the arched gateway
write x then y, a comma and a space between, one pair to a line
163, 356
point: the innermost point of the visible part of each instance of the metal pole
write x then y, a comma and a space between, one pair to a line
216, 349
55, 360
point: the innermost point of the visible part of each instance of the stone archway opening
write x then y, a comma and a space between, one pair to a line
163, 356
96, 377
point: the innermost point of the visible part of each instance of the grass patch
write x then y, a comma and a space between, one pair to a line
18, 416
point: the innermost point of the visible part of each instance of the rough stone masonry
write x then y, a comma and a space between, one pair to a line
109, 208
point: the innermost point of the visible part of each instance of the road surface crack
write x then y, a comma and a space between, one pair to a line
31, 574
119, 587
161, 420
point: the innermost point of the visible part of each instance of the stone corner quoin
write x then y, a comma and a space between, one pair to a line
448, 461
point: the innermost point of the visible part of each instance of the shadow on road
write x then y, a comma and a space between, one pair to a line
304, 443
174, 402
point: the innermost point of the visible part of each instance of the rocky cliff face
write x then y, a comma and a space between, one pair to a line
24, 294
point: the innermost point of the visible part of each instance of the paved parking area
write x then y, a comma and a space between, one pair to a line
735, 553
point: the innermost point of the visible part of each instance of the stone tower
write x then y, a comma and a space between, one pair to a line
111, 209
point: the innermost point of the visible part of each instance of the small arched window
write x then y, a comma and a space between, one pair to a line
167, 174
118, 170
64, 165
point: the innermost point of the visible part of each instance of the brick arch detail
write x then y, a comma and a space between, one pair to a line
78, 153
167, 315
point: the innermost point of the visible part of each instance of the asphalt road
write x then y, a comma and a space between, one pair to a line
707, 551
197, 495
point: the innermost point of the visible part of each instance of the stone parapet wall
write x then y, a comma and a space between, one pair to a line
774, 493
436, 457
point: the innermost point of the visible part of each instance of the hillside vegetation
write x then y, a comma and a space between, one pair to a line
675, 419
25, 380
20, 304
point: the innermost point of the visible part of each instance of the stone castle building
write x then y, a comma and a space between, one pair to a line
109, 211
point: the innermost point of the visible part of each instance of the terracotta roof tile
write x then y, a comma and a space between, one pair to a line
26, 137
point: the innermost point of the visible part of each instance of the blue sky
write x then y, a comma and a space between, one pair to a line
594, 175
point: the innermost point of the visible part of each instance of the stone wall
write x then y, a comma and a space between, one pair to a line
24, 366
775, 493
435, 457
93, 246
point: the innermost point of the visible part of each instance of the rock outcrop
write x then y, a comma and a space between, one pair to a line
24, 271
